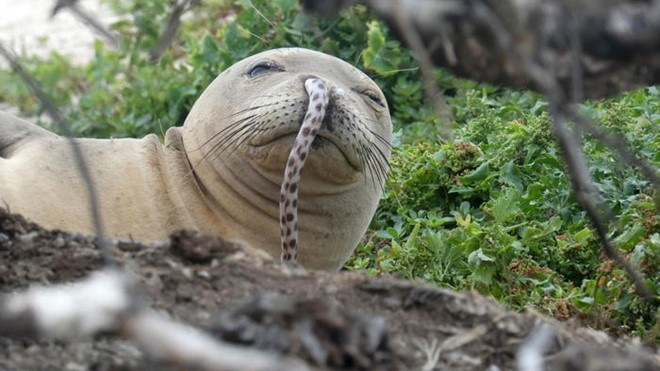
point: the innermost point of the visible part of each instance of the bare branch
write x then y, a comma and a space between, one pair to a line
87, 19
618, 39
81, 163
530, 354
584, 192
616, 143
411, 37
173, 23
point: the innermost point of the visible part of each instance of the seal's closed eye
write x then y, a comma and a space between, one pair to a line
262, 67
374, 97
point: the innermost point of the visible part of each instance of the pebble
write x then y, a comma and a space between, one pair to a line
28, 237
4, 240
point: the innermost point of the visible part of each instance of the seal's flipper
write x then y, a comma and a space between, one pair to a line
15, 132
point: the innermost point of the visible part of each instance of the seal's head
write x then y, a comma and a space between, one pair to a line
241, 130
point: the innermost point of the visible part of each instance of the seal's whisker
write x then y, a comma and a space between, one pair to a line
363, 163
247, 135
249, 109
373, 166
244, 125
236, 138
384, 161
227, 141
379, 164
224, 143
377, 167
370, 168
380, 138
234, 125
223, 131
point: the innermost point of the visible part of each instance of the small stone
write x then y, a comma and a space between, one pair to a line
204, 274
4, 239
59, 242
28, 237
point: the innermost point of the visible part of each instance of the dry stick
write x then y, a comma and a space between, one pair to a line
87, 19
577, 74
613, 142
571, 152
616, 143
172, 27
574, 159
412, 38
530, 354
81, 163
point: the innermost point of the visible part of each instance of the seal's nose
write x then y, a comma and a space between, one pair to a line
306, 77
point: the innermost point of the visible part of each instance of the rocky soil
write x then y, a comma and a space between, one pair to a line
344, 320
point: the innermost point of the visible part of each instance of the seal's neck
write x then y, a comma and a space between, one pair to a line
186, 191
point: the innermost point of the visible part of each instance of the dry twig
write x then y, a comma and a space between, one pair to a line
431, 88
530, 354
87, 19
173, 23
80, 161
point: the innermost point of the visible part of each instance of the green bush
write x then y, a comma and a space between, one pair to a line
490, 210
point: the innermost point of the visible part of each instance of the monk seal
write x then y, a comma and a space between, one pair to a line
221, 172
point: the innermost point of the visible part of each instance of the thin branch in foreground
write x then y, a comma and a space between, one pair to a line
433, 93
574, 159
173, 23
107, 302
87, 19
530, 354
81, 163
616, 143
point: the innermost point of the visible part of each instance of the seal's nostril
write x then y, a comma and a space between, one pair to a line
306, 77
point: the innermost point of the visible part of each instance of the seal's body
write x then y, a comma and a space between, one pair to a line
145, 188
220, 173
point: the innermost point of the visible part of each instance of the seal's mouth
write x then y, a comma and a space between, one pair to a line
323, 141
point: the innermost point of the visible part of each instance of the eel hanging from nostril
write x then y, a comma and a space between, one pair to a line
318, 103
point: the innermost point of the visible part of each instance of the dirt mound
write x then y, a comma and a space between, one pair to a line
336, 320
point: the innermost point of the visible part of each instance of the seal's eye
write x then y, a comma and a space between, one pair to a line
374, 97
261, 68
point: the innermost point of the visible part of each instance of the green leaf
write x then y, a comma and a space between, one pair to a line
477, 175
505, 206
583, 235
381, 57
478, 256
630, 237
511, 175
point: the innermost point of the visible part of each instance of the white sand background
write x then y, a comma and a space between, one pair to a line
27, 28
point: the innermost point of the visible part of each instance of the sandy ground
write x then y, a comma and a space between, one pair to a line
27, 28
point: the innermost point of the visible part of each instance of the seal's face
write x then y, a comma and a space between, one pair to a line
243, 127
264, 101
